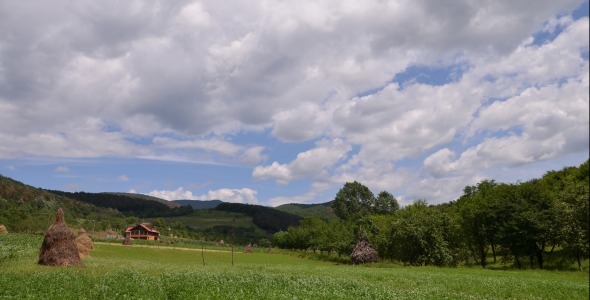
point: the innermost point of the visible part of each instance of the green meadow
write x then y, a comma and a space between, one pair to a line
139, 272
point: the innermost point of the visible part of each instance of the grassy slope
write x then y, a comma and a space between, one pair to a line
205, 218
170, 204
322, 210
115, 271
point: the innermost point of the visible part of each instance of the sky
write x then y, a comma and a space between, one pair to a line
273, 102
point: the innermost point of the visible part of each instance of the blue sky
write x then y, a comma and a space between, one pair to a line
273, 102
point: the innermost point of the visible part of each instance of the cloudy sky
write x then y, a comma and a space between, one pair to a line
272, 102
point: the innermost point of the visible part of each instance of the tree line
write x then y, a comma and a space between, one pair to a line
520, 224
128, 205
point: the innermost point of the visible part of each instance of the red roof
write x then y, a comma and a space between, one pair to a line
144, 227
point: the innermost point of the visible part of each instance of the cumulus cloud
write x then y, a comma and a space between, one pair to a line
186, 81
314, 163
177, 194
243, 195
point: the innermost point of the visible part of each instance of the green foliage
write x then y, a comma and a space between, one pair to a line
385, 204
321, 210
420, 236
528, 219
129, 204
27, 209
520, 223
353, 201
267, 218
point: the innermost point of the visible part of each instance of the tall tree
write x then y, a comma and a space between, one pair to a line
420, 236
385, 204
353, 201
569, 189
479, 218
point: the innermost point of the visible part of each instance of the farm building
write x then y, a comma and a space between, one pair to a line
142, 232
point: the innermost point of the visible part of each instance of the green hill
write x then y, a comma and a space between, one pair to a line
171, 204
321, 210
24, 208
130, 204
267, 218
216, 225
237, 222
199, 204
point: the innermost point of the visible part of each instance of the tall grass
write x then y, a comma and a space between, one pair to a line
118, 272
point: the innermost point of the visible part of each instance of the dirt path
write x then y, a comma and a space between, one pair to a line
164, 247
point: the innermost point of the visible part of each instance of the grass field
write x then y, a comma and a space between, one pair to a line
119, 272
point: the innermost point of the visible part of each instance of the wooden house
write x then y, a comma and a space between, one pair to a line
142, 232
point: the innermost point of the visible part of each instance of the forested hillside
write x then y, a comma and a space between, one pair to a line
267, 218
539, 223
27, 209
151, 198
199, 204
321, 210
128, 204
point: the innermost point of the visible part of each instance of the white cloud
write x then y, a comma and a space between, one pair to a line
278, 201
62, 170
243, 195
314, 163
186, 81
177, 194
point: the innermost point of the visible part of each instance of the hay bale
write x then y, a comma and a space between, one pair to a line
363, 252
59, 245
127, 241
248, 249
84, 243
3, 229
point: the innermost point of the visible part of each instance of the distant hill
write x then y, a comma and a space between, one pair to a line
267, 218
199, 204
170, 204
129, 204
25, 208
321, 210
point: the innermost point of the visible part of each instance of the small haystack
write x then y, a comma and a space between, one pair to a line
3, 229
363, 252
127, 241
59, 245
248, 248
84, 243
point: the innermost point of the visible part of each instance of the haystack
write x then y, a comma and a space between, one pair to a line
84, 243
127, 241
248, 249
3, 229
59, 245
363, 252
